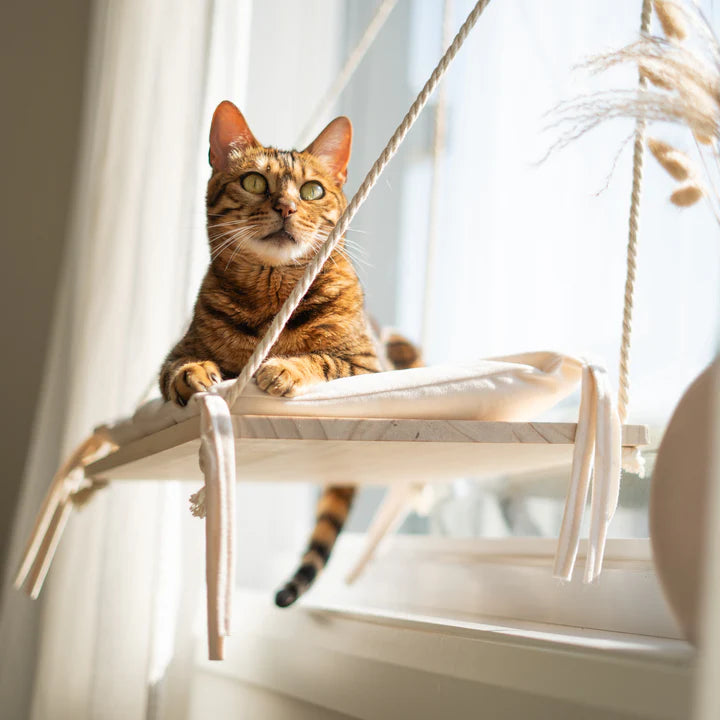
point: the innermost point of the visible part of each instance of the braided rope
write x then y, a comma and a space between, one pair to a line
439, 137
633, 225
354, 59
298, 292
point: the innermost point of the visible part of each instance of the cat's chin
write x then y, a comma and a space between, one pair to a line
278, 248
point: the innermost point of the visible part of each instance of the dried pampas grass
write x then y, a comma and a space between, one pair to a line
686, 195
679, 83
672, 19
675, 162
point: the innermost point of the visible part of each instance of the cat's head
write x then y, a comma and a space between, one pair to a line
273, 206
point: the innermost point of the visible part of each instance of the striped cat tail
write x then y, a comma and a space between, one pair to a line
332, 511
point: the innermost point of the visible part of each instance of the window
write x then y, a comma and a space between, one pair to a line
531, 254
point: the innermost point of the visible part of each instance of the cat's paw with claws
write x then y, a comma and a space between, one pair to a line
281, 377
191, 378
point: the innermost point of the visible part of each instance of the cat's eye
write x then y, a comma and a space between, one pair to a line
254, 183
312, 190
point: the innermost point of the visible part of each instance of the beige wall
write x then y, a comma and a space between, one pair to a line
42, 55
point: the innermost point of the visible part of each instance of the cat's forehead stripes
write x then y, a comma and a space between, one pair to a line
284, 170
280, 163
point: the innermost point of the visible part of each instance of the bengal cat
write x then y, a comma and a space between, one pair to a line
268, 211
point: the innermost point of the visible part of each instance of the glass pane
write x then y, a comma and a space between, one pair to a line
532, 254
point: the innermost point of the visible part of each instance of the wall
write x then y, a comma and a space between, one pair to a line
42, 55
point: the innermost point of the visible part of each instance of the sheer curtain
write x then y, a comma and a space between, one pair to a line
115, 609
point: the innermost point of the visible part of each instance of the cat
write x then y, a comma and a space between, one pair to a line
268, 211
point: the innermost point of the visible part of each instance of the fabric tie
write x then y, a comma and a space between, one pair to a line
68, 481
217, 462
597, 455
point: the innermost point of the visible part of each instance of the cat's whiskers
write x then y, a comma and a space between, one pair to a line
239, 224
226, 243
218, 237
214, 237
229, 223
348, 250
349, 242
240, 238
228, 237
242, 244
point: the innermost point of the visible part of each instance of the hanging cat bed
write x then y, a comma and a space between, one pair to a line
398, 428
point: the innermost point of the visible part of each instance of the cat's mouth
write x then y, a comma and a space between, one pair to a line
279, 238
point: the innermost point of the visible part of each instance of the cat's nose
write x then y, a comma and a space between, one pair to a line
285, 207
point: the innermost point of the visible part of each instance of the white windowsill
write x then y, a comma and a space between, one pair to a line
508, 578
439, 628
375, 666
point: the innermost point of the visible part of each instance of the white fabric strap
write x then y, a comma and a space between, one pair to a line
606, 481
54, 514
597, 457
582, 467
217, 462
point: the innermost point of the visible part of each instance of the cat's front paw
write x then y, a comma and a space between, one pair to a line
193, 377
281, 377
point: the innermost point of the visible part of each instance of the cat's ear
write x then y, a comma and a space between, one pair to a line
228, 131
332, 147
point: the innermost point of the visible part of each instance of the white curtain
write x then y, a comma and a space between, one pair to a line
90, 648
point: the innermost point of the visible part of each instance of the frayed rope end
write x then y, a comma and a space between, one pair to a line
197, 503
633, 461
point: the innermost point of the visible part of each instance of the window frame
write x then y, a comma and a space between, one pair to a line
410, 633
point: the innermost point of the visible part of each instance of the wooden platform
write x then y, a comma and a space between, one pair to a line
359, 451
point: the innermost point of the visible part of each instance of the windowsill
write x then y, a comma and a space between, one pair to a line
378, 665
507, 579
528, 634
439, 628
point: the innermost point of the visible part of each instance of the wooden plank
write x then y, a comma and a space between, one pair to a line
362, 451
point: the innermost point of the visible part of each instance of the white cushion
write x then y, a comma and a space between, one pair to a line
511, 388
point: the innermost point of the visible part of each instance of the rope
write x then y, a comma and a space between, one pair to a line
439, 137
633, 224
354, 59
298, 292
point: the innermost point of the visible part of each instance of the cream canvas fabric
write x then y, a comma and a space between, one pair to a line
516, 387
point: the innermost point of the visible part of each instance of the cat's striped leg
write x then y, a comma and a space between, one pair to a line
290, 375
